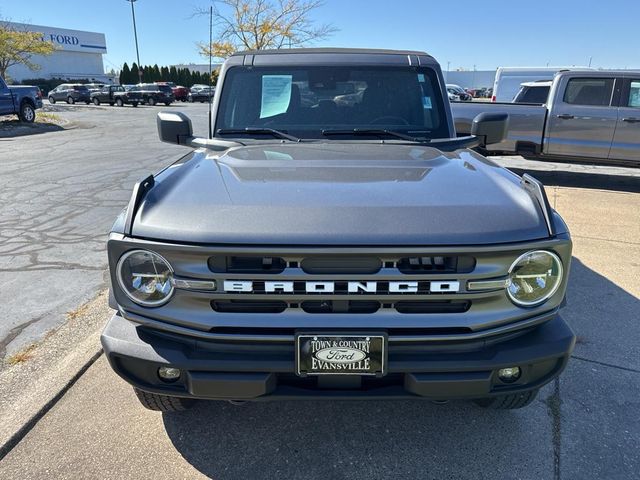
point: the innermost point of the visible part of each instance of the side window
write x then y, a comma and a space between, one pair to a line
589, 91
634, 94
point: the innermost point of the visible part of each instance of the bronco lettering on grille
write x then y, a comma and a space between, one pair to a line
352, 287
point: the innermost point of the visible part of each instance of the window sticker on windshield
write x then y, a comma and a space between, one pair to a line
276, 94
426, 102
421, 77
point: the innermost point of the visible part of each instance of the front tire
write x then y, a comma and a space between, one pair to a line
52, 100
508, 402
163, 403
167, 103
27, 113
119, 102
134, 104
70, 100
96, 101
151, 101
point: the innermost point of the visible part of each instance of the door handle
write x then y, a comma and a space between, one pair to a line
631, 120
565, 116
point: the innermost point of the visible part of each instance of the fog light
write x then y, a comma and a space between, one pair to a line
509, 374
169, 374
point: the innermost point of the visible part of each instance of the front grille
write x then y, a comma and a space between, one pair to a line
436, 264
248, 306
343, 283
246, 264
340, 306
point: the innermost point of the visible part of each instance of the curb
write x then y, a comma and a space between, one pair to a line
15, 439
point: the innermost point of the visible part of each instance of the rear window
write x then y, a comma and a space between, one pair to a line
164, 88
537, 95
80, 88
634, 94
589, 91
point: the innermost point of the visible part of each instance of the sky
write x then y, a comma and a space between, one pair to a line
462, 34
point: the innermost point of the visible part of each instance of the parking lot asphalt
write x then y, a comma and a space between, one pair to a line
583, 426
59, 194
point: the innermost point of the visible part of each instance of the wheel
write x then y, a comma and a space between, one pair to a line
190, 99
96, 101
27, 112
167, 103
52, 100
134, 104
163, 403
508, 402
151, 101
111, 104
119, 102
70, 100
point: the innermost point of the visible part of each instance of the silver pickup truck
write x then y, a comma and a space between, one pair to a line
589, 116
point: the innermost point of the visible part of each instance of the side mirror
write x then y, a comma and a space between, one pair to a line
490, 128
174, 128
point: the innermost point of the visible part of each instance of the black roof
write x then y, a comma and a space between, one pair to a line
284, 51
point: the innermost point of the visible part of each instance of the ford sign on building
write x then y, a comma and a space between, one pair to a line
78, 55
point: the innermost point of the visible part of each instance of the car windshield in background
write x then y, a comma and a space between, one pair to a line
307, 101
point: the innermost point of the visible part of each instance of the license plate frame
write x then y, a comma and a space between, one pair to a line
374, 347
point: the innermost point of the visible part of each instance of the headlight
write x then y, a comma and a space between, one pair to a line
534, 277
145, 277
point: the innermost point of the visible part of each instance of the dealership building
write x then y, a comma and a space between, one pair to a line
78, 55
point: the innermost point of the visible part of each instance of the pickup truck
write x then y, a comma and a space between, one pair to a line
116, 94
313, 247
591, 116
20, 100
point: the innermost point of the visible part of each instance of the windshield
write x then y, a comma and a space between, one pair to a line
305, 101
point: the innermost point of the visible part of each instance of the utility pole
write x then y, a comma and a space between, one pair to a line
590, 58
135, 35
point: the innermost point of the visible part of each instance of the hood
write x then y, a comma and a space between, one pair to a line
338, 194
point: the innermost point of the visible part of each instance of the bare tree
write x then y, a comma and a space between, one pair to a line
263, 24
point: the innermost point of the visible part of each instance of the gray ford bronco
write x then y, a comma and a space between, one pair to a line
334, 238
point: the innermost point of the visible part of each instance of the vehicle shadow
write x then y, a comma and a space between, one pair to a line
15, 128
418, 439
600, 181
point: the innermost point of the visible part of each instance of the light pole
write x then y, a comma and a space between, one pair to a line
135, 35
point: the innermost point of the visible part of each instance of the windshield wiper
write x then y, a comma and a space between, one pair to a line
258, 130
374, 131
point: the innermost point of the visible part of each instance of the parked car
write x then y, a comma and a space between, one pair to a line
153, 93
70, 93
116, 94
508, 80
201, 93
180, 93
20, 100
452, 95
296, 255
589, 116
460, 92
533, 92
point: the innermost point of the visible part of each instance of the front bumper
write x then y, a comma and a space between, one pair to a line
255, 371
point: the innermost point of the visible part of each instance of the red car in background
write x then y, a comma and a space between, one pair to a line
180, 92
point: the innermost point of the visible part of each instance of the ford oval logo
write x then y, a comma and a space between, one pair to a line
340, 355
